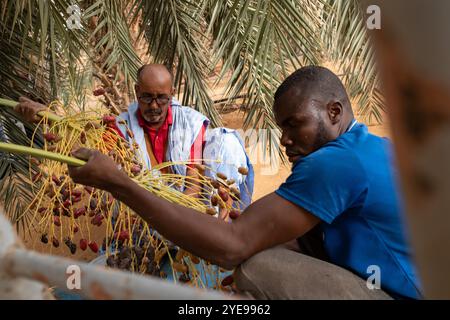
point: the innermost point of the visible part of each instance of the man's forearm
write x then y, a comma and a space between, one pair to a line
208, 237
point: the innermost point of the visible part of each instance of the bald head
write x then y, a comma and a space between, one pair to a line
154, 71
154, 92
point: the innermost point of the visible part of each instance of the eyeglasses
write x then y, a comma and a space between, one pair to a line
161, 100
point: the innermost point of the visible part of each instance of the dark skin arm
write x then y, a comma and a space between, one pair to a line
268, 222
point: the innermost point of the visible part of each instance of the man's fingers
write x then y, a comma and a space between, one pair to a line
72, 170
223, 214
24, 99
40, 107
29, 109
18, 108
83, 153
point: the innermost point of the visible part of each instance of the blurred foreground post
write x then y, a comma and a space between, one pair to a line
26, 274
413, 47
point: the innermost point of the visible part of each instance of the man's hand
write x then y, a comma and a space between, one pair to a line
29, 109
224, 213
195, 187
100, 171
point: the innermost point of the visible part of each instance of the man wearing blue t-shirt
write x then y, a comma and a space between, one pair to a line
333, 230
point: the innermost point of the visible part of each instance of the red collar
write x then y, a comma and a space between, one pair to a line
158, 137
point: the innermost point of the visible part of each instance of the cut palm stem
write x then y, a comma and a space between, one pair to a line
12, 104
38, 153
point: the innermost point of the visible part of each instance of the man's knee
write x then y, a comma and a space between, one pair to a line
257, 275
279, 273
258, 264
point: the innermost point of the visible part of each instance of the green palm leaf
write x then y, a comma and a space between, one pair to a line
260, 43
346, 40
115, 45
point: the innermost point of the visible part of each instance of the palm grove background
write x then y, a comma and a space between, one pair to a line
252, 45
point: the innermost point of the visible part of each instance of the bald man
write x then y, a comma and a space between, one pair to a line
164, 130
167, 131
339, 210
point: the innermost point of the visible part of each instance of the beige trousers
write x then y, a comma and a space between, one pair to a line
280, 273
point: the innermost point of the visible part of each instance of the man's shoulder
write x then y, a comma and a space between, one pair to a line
224, 138
187, 113
356, 154
360, 136
333, 150
336, 158
358, 143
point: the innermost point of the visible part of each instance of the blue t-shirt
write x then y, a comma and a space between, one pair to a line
350, 184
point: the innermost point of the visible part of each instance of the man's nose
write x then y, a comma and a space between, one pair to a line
285, 140
153, 104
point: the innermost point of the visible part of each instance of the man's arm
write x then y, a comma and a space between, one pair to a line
264, 224
28, 109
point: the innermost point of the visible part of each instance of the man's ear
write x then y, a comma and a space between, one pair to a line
136, 89
335, 111
172, 93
